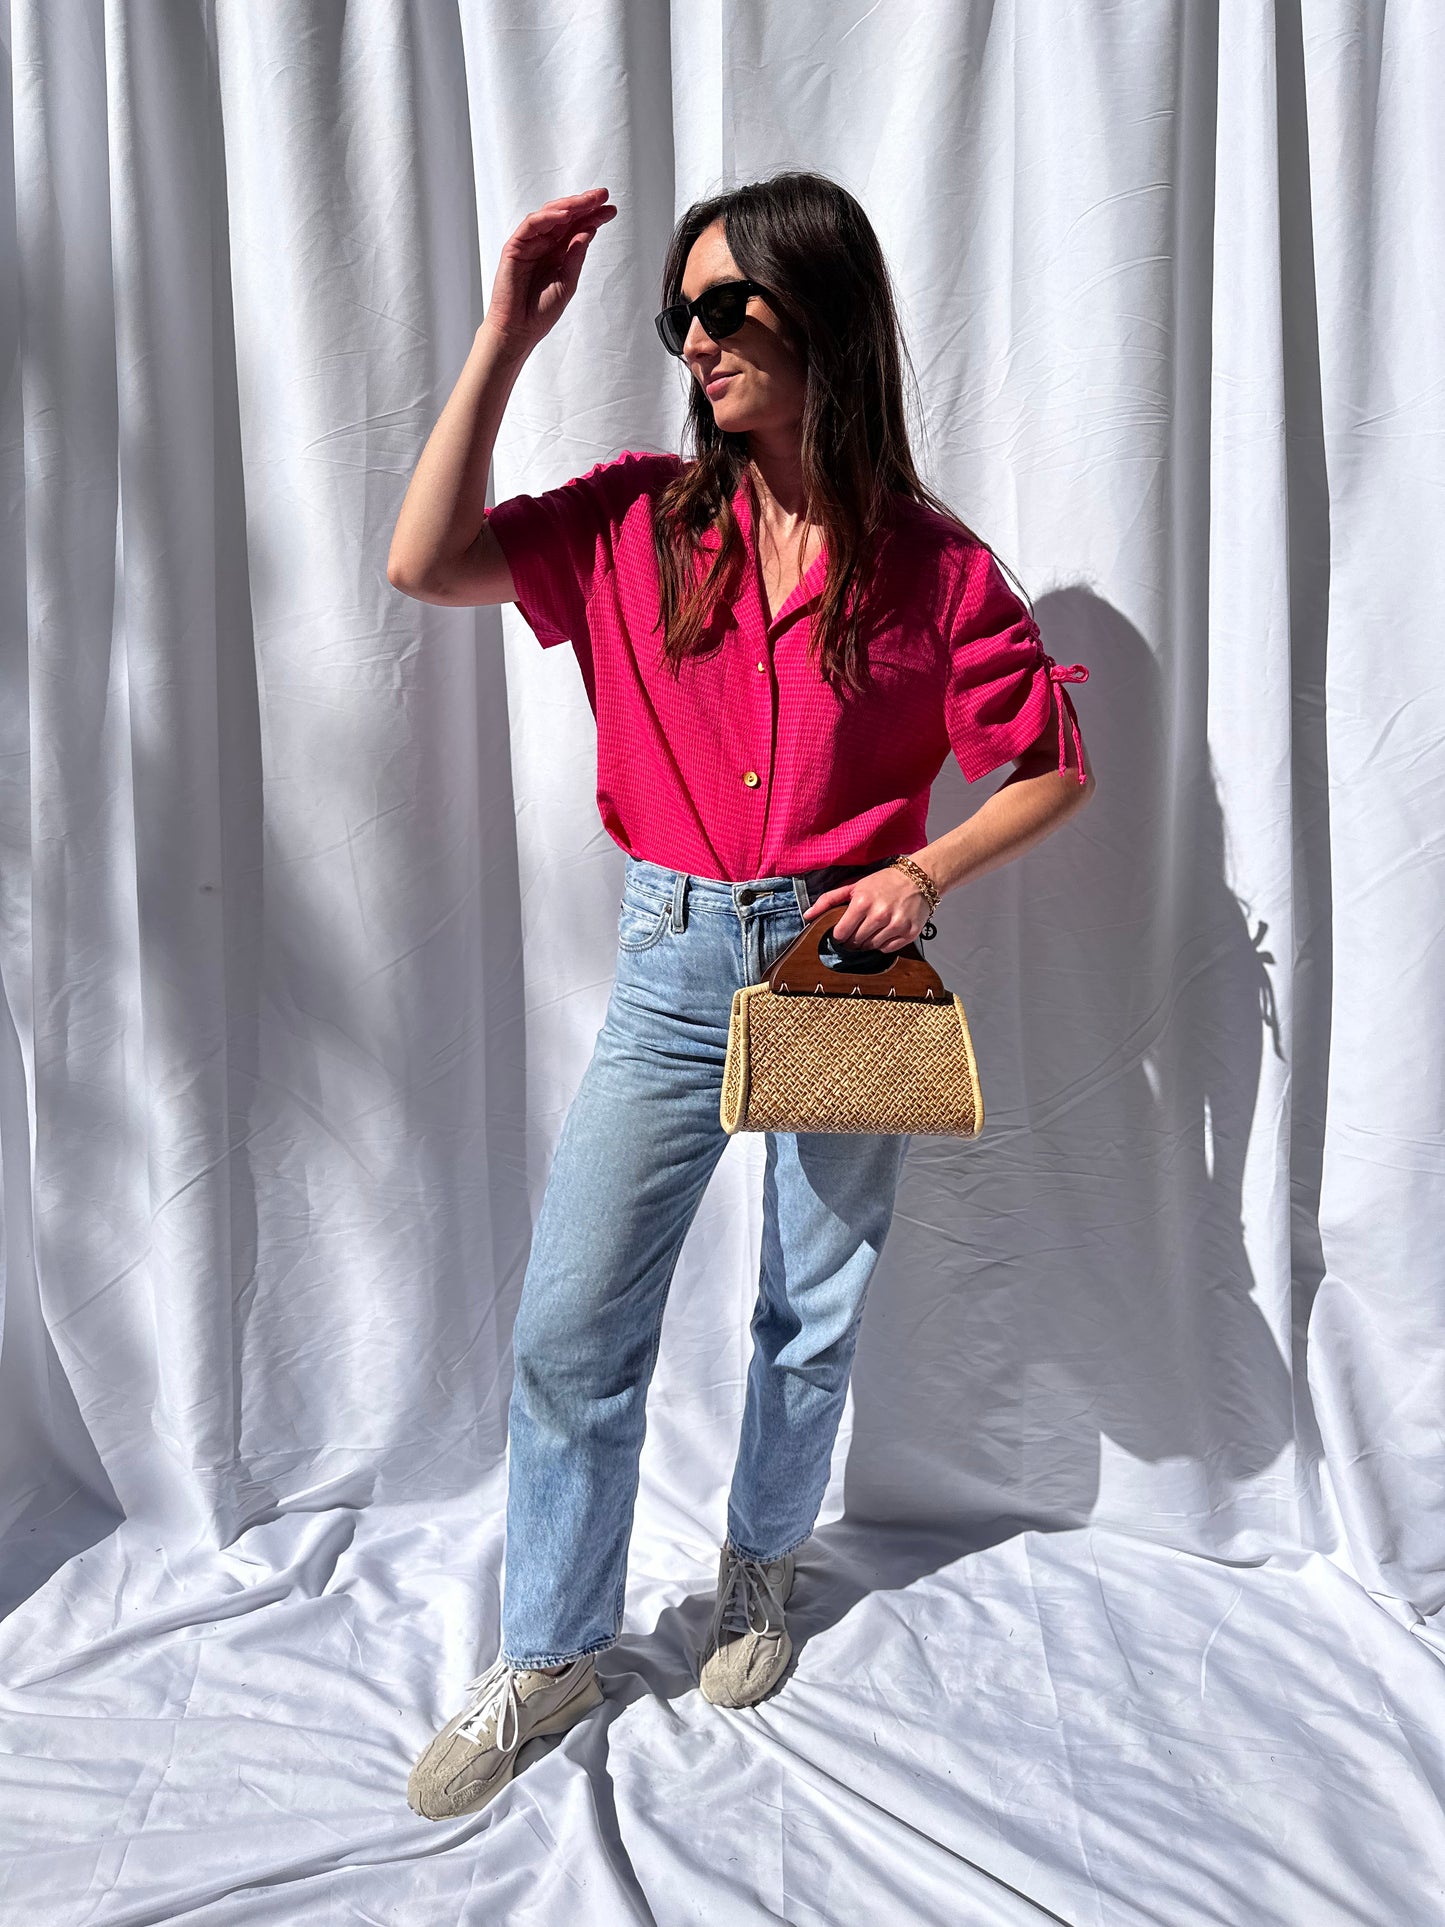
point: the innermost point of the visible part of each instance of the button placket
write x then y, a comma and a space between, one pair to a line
764, 710
765, 630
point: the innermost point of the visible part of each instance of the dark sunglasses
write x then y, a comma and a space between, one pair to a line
721, 309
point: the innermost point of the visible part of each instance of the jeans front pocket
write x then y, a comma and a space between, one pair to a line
641, 919
777, 932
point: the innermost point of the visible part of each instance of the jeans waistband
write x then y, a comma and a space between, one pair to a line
802, 887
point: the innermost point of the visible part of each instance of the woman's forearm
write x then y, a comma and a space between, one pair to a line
445, 506
1034, 802
445, 502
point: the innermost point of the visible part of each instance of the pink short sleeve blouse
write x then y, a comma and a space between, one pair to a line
748, 764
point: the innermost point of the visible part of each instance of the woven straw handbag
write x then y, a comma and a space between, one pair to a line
818, 1047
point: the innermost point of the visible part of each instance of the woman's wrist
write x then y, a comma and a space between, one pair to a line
505, 351
925, 882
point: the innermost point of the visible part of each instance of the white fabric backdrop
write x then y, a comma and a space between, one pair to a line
1126, 1603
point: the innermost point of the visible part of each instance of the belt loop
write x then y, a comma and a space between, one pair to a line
800, 891
679, 901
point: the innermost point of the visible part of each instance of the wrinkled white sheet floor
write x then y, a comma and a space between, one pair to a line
1080, 1726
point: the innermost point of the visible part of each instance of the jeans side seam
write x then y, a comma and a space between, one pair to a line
620, 1601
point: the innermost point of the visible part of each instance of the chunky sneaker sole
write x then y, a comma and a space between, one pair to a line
475, 1754
748, 1647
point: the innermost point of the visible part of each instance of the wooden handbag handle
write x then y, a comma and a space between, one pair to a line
801, 969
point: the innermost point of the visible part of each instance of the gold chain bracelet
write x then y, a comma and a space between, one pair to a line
920, 877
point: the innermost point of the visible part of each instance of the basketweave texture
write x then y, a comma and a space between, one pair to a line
800, 1063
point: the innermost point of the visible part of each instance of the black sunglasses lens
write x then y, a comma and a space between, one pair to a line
672, 326
722, 310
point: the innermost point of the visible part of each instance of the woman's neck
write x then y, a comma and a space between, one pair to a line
777, 477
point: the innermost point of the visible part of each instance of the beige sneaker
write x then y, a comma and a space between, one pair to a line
747, 1647
475, 1754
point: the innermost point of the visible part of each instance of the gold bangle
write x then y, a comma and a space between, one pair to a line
920, 877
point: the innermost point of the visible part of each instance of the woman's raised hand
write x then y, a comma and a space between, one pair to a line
537, 274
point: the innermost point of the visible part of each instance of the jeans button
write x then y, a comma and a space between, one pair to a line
746, 896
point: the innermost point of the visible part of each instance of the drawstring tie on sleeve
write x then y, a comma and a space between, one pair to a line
1059, 674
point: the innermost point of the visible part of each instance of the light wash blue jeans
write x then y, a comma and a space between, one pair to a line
636, 1150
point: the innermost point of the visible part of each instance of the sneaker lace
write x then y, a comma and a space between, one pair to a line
496, 1700
747, 1590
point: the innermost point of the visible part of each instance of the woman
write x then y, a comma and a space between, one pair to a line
781, 640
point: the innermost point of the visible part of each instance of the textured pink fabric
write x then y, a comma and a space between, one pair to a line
956, 663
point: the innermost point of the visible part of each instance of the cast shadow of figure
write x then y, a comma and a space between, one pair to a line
1050, 1288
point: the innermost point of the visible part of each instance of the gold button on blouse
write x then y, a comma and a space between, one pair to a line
762, 665
751, 778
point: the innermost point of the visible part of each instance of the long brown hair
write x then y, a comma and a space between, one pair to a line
809, 242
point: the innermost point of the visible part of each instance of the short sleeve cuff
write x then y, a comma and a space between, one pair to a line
1007, 720
1001, 680
525, 531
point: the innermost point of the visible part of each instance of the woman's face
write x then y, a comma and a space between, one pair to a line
765, 379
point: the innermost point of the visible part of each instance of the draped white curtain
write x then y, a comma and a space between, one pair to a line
1126, 1601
